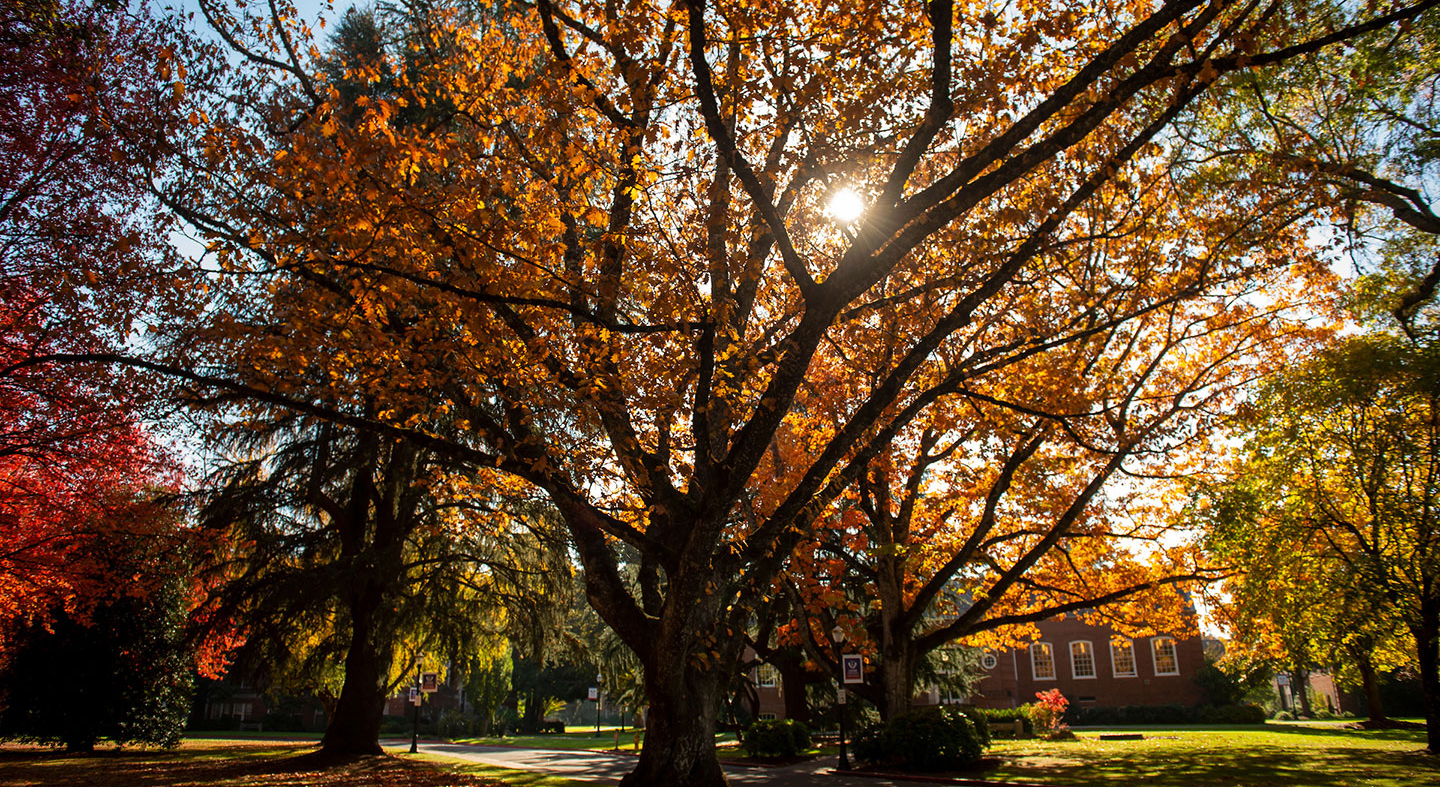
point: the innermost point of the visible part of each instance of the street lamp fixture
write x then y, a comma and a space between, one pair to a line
837, 636
415, 713
598, 676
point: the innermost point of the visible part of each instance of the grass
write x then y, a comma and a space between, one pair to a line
496, 773
232, 763
231, 735
575, 740
1273, 755
1289, 755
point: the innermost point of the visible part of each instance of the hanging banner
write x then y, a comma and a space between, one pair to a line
852, 665
430, 682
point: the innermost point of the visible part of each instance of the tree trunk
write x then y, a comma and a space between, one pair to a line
1427, 646
354, 728
679, 749
1300, 684
898, 674
1374, 709
792, 687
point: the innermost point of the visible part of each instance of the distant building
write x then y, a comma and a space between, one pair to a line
1090, 664
1093, 667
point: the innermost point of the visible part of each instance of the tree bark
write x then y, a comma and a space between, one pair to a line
354, 728
679, 748
1300, 684
792, 686
1374, 708
1427, 646
899, 676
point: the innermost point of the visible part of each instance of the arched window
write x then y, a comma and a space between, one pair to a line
766, 676
1162, 650
1042, 661
1122, 658
1082, 659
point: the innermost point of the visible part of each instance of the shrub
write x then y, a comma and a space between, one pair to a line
1230, 714
282, 722
979, 723
776, 738
549, 727
1283, 715
1006, 717
1048, 713
1130, 714
939, 737
394, 725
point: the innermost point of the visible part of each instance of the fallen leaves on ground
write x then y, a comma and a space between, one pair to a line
219, 764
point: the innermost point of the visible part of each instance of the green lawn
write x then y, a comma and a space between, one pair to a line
508, 776
1276, 755
575, 740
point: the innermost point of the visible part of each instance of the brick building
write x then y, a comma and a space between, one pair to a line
1087, 663
1093, 667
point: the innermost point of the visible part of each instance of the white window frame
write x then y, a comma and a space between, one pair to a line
766, 676
1115, 661
1155, 644
1074, 665
988, 661
1050, 654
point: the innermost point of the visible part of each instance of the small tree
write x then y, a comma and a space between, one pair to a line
120, 671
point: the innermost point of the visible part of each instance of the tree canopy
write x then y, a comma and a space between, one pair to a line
593, 242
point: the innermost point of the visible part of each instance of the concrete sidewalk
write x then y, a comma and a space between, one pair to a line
608, 768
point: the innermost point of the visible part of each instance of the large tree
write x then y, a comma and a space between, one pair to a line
607, 258
1348, 445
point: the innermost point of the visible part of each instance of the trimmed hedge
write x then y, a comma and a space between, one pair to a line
1165, 714
776, 738
1008, 716
935, 738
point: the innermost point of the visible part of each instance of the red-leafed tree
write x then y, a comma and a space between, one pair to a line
87, 94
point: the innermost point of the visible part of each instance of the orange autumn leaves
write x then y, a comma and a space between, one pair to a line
585, 245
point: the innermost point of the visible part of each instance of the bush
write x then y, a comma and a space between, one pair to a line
1283, 715
776, 738
939, 737
1230, 714
1129, 714
282, 722
1005, 718
394, 725
552, 727
980, 724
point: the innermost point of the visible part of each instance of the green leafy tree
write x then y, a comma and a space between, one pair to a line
1334, 516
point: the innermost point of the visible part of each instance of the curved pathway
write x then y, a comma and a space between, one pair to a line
607, 768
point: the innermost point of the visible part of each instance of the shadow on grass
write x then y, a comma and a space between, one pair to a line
228, 766
1280, 766
1415, 736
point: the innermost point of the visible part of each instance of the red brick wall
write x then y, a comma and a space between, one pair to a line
1012, 683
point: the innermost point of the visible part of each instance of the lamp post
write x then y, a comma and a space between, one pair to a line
597, 704
837, 634
415, 713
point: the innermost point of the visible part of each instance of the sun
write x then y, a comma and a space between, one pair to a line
845, 206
